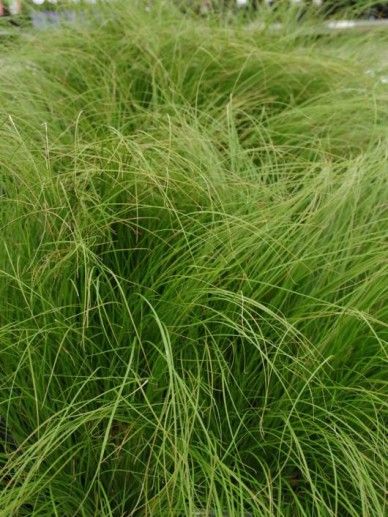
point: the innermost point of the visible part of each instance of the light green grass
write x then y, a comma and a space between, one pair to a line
193, 270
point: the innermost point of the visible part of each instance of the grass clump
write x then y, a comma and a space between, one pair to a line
192, 270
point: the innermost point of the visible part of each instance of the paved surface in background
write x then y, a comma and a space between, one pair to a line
331, 26
356, 24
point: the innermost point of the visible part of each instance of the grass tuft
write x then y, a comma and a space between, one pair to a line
193, 301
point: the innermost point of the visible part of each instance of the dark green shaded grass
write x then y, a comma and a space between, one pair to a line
193, 272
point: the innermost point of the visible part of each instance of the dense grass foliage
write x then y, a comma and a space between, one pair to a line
193, 278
